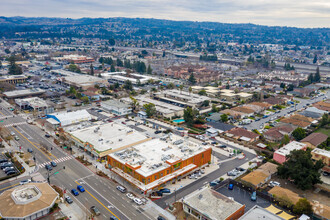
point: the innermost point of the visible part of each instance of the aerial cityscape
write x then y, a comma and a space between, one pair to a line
147, 110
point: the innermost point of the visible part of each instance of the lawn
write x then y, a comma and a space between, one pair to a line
324, 131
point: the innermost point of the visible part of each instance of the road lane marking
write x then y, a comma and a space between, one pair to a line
102, 203
9, 186
33, 145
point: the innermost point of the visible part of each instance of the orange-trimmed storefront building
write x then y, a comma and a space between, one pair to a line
153, 164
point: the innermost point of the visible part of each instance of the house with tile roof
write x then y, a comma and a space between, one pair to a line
315, 139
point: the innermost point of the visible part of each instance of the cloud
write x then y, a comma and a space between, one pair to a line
299, 13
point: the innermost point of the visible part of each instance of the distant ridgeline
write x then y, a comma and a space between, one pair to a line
158, 30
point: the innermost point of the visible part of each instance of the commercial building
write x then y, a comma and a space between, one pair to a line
34, 103
83, 82
13, 79
69, 118
281, 154
162, 109
207, 204
101, 140
257, 212
122, 77
230, 95
117, 107
211, 91
27, 202
23, 93
159, 161
74, 58
181, 98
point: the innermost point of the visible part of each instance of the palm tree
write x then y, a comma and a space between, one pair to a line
190, 90
181, 88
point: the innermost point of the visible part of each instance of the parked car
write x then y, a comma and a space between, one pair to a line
274, 183
8, 164
30, 150
47, 135
161, 218
16, 138
121, 189
74, 192
12, 172
3, 160
254, 196
158, 132
240, 169
213, 142
7, 169
80, 188
214, 183
231, 186
23, 182
68, 199
138, 201
113, 218
222, 146
95, 210
53, 164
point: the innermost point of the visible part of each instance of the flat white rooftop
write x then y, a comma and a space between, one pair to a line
154, 155
294, 145
322, 152
109, 136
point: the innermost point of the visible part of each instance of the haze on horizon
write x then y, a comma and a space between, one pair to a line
294, 13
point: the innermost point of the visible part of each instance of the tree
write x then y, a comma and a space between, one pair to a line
282, 85
112, 42
14, 69
317, 76
192, 79
189, 115
134, 103
299, 134
325, 120
214, 108
119, 62
128, 85
190, 90
290, 87
206, 103
170, 86
303, 206
74, 68
149, 70
181, 88
85, 99
112, 68
92, 70
224, 117
285, 140
7, 51
300, 168
202, 92
150, 109
315, 58
0, 64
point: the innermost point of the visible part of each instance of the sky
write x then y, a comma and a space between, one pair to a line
293, 13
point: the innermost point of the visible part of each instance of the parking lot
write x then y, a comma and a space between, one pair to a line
242, 196
7, 167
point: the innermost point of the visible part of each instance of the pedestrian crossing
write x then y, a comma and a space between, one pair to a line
14, 124
59, 160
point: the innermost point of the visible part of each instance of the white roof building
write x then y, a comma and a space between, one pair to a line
69, 118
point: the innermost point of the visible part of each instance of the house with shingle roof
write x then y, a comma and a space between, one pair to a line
315, 139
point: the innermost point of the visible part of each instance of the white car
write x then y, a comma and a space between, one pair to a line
130, 196
138, 201
23, 182
274, 183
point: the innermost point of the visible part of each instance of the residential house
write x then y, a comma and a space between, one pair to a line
91, 95
281, 154
315, 139
242, 134
276, 134
215, 117
313, 112
274, 101
261, 175
221, 127
323, 105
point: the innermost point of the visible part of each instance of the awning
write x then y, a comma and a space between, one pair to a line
273, 209
286, 216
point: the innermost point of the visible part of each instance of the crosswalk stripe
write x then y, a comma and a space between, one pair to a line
59, 160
